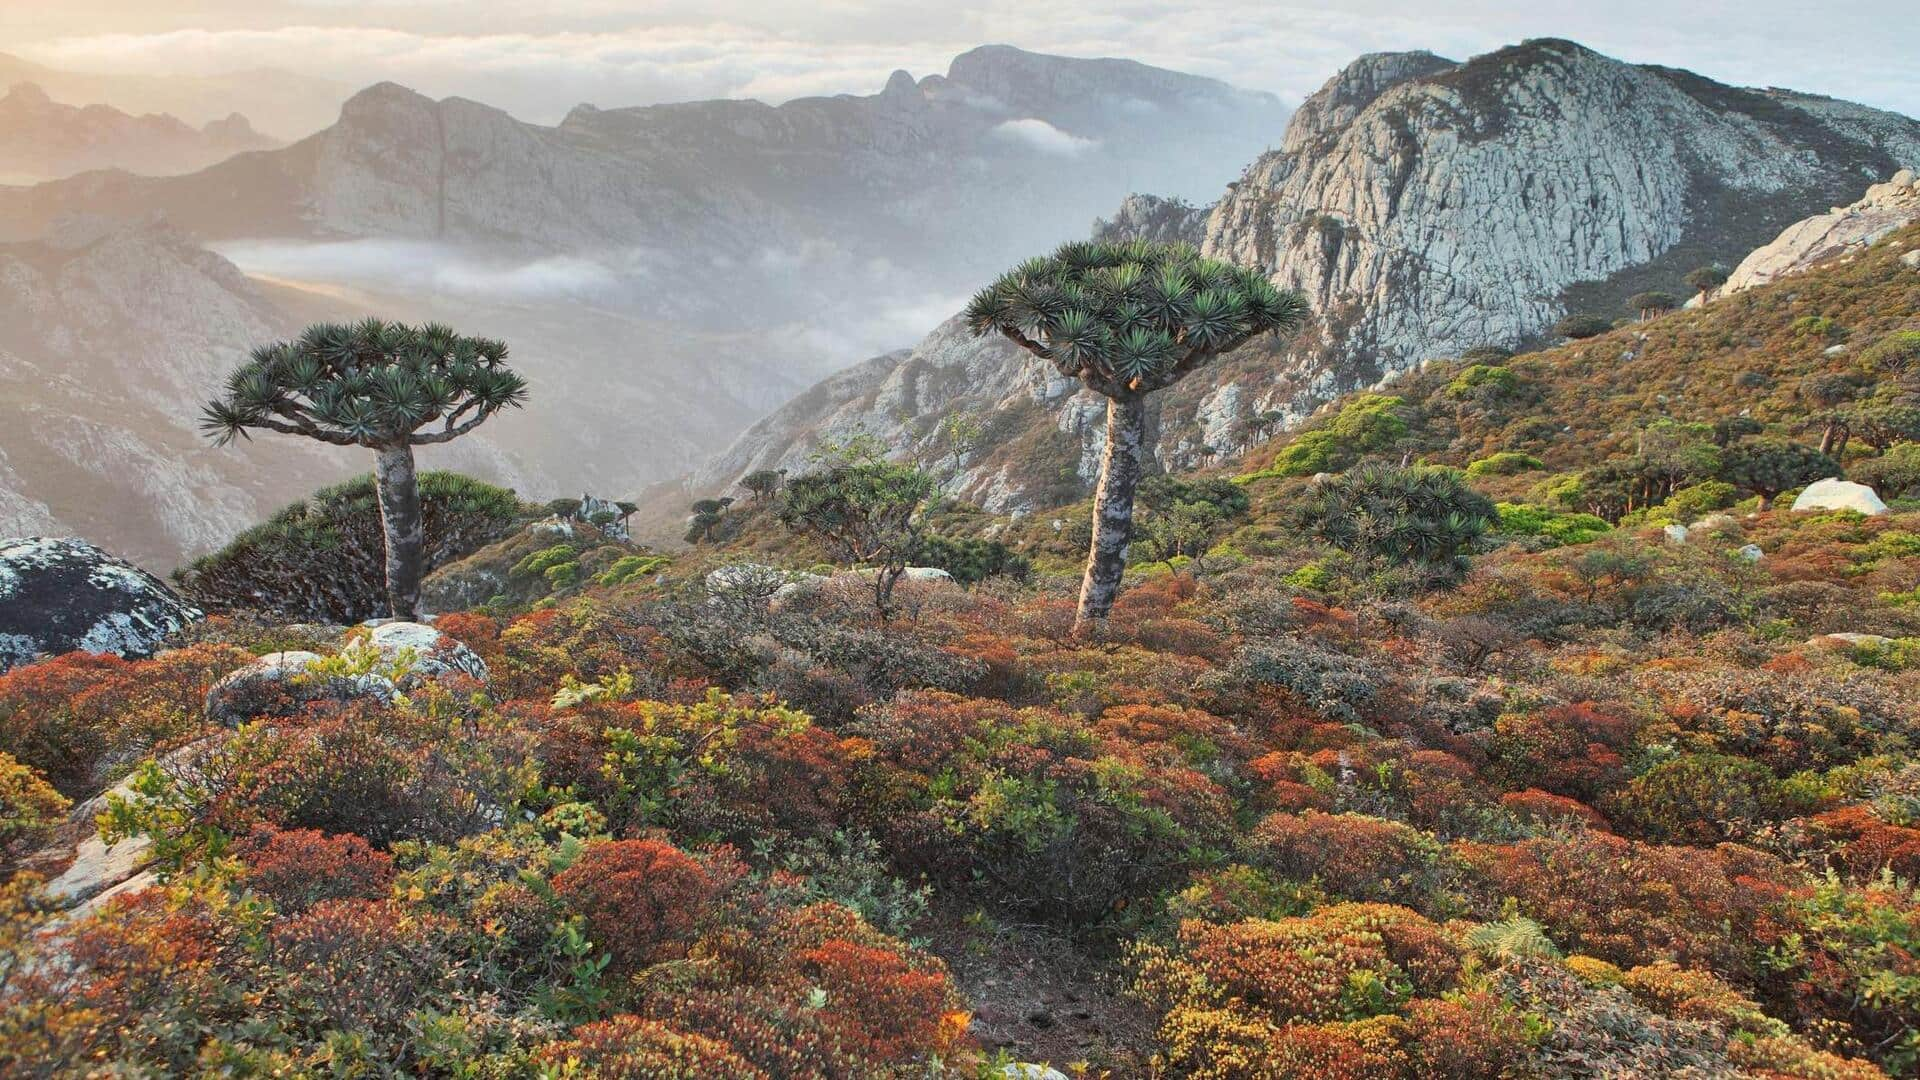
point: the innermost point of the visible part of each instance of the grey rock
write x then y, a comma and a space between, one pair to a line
282, 684
1676, 534
1751, 553
1424, 207
435, 656
64, 595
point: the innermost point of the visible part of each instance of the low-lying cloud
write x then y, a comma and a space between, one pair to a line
426, 269
1039, 135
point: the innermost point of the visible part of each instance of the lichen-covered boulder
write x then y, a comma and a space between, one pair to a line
284, 683
435, 656
65, 595
1833, 494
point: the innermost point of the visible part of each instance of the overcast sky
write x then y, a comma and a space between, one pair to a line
537, 58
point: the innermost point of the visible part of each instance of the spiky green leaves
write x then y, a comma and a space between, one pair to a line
372, 383
1131, 317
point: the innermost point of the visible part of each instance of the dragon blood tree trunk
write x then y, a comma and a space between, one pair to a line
399, 491
1113, 509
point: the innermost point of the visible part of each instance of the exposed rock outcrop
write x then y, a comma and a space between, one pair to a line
1832, 494
284, 683
1426, 207
63, 595
1837, 234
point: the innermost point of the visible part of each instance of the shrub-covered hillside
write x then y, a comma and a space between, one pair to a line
1403, 772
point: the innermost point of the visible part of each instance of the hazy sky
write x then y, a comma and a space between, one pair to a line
539, 57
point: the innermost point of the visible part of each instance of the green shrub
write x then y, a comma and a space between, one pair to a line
1526, 519
1504, 463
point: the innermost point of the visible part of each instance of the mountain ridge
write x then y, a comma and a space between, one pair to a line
1393, 286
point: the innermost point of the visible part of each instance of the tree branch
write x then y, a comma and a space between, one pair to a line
449, 434
310, 431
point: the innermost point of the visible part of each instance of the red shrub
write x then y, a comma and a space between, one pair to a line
365, 966
1475, 1036
301, 867
642, 899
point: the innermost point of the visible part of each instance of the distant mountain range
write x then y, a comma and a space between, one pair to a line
282, 103
1425, 207
42, 139
665, 274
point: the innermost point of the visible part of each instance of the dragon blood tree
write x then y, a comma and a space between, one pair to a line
381, 385
1127, 319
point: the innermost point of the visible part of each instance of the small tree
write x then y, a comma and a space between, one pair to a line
867, 511
1768, 467
707, 514
1581, 326
762, 483
1825, 391
379, 385
1182, 518
1706, 279
1649, 304
1127, 320
1882, 426
1416, 520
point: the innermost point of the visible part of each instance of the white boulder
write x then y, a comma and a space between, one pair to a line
1835, 494
1676, 534
435, 655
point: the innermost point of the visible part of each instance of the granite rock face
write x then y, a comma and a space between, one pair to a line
63, 595
1424, 207
1838, 234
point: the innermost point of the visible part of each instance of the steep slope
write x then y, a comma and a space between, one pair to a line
1839, 233
1425, 207
41, 139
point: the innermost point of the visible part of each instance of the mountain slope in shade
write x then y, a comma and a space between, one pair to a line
664, 274
1425, 207
111, 338
41, 139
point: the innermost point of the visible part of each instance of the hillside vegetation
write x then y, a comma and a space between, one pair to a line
1407, 772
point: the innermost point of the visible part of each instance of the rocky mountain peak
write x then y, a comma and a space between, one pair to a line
1357, 85
382, 102
27, 94
900, 84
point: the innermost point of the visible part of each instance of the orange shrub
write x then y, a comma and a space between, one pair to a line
628, 1047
